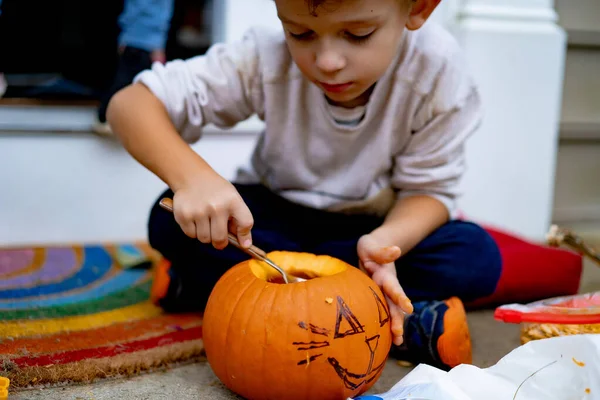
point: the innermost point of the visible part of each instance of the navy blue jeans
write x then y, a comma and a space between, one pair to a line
458, 259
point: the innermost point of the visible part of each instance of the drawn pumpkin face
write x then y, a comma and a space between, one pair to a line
325, 338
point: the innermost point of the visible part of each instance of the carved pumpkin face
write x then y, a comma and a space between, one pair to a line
325, 338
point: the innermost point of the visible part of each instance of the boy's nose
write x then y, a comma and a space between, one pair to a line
329, 61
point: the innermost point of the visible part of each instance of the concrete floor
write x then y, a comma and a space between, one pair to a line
491, 341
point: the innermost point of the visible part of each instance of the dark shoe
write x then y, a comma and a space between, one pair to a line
102, 129
437, 334
169, 292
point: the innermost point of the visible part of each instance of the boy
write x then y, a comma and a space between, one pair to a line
367, 110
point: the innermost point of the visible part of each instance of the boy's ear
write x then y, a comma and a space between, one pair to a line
420, 10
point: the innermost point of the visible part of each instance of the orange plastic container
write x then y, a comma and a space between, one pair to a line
559, 316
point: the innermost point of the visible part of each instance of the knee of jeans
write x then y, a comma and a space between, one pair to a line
482, 257
161, 232
156, 236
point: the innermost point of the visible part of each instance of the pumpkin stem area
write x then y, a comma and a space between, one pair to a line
302, 265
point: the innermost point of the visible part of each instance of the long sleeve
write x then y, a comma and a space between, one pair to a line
433, 161
221, 87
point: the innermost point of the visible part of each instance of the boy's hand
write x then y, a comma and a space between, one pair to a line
378, 261
210, 208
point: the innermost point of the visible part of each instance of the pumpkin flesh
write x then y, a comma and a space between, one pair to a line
325, 338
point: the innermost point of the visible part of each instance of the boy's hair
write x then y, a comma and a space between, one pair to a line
314, 4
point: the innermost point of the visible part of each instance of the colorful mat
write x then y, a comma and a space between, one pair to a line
74, 314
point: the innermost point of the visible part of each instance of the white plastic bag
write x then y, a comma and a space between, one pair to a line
560, 368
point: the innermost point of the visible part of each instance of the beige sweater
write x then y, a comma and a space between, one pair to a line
409, 139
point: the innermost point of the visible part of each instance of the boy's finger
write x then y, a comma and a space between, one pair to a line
394, 291
370, 266
244, 222
188, 227
362, 267
218, 231
203, 229
186, 222
385, 255
397, 323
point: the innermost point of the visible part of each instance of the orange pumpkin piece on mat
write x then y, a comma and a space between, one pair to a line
326, 338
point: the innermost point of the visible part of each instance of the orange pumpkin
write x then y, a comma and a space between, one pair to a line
325, 338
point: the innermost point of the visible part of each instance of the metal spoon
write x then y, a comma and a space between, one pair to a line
254, 251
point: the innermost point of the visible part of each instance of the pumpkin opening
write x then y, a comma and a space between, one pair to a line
302, 265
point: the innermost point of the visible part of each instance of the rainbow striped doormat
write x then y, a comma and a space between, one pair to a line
78, 313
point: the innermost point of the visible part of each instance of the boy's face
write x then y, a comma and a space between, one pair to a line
347, 46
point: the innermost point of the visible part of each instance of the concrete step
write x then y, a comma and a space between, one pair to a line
579, 131
583, 38
581, 93
577, 187
581, 15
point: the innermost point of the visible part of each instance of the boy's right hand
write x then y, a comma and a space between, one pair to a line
210, 209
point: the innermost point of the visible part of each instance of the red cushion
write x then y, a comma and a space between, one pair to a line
532, 271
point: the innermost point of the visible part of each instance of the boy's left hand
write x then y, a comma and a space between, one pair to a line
378, 261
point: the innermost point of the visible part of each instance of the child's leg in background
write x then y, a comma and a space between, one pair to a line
131, 62
144, 30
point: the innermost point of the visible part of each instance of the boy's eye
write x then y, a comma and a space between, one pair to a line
359, 38
308, 35
301, 36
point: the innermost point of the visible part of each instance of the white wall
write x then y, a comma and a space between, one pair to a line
516, 52
59, 188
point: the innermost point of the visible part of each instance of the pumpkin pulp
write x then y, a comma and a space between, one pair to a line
302, 265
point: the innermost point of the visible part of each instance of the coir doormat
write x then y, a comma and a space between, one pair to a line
77, 313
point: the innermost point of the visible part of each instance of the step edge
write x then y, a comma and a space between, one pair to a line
576, 130
583, 38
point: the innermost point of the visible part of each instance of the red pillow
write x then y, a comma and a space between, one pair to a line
532, 271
